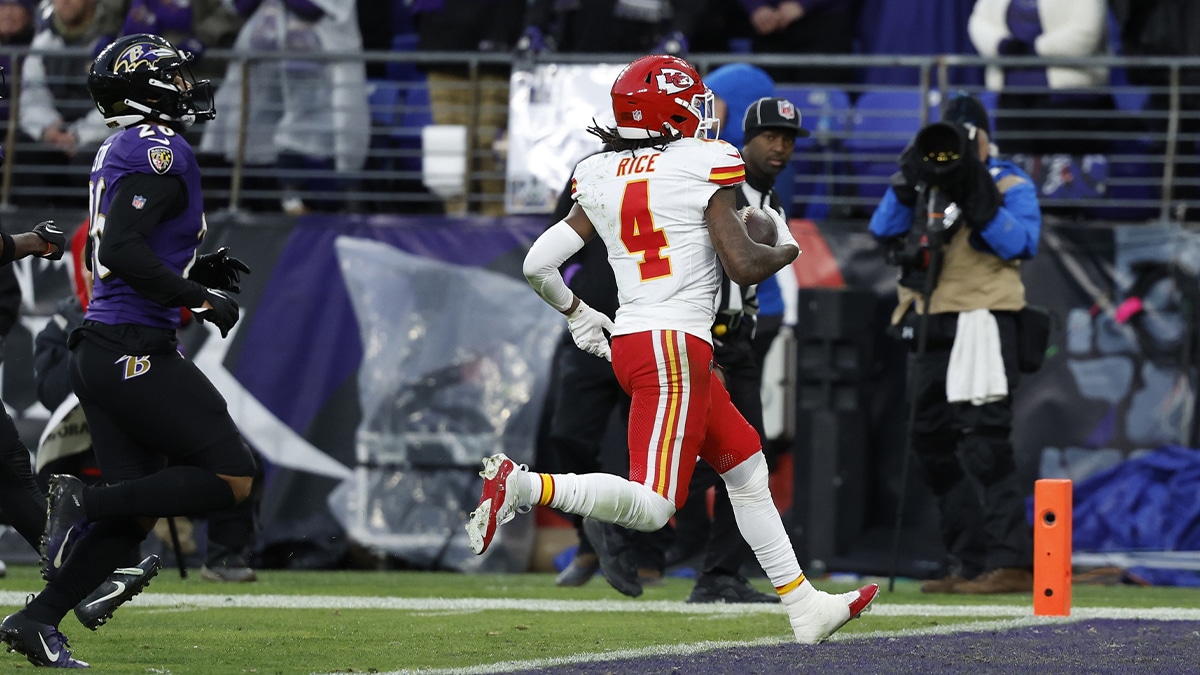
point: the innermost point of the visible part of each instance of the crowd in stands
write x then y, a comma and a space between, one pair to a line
310, 119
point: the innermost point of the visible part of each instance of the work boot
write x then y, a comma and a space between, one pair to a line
1001, 580
946, 584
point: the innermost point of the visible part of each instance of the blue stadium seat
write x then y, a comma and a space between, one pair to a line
817, 162
384, 99
883, 123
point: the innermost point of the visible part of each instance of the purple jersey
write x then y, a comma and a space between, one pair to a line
149, 149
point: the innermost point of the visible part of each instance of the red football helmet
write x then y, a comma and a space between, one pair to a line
662, 95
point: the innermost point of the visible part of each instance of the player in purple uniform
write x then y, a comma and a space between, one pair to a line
163, 437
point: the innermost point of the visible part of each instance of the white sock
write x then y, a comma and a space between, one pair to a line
762, 528
602, 496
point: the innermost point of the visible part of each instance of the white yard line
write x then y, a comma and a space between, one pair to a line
451, 605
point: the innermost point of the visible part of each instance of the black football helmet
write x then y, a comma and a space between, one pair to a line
134, 78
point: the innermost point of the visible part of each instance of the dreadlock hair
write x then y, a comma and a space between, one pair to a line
617, 143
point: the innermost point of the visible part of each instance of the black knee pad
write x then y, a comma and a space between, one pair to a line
987, 454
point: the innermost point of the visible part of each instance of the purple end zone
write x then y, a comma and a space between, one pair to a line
1123, 647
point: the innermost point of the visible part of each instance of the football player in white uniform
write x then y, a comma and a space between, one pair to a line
663, 203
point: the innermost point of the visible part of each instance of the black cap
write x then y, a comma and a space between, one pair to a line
771, 113
966, 109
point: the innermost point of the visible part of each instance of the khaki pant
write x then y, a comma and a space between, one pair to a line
453, 102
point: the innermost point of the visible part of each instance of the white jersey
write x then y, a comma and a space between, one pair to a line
648, 206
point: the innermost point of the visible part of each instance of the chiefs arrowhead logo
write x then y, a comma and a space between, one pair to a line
671, 81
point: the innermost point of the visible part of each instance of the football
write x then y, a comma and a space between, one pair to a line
759, 225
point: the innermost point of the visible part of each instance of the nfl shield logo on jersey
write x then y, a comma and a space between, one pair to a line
160, 159
139, 202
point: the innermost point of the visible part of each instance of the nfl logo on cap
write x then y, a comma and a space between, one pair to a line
770, 112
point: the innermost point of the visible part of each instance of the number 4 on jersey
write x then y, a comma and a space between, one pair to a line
638, 232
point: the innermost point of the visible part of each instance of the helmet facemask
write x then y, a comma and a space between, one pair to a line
703, 106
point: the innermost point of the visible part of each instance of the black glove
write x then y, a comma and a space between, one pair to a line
50, 234
905, 182
976, 193
219, 270
904, 189
224, 311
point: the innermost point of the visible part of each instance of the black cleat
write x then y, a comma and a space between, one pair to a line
42, 644
580, 571
124, 583
613, 544
66, 522
728, 588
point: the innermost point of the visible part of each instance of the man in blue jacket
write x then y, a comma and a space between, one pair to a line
961, 432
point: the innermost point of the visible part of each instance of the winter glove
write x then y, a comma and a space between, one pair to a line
976, 193
222, 313
54, 238
904, 189
219, 270
905, 182
587, 328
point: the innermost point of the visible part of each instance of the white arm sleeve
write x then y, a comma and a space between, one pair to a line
546, 255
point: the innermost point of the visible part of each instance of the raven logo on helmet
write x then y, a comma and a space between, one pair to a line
141, 56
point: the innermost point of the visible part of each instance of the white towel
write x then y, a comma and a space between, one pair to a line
976, 370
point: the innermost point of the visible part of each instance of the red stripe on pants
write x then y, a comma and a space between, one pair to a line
680, 411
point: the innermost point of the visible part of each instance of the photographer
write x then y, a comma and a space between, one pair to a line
957, 222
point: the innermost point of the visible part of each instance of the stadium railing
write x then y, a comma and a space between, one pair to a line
1147, 165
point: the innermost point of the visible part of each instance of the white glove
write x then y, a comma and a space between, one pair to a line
587, 328
784, 233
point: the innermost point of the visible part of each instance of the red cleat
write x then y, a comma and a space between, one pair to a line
497, 503
866, 595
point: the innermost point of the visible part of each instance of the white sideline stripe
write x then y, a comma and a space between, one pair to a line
443, 605
1006, 617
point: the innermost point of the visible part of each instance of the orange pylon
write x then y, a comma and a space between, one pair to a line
1052, 547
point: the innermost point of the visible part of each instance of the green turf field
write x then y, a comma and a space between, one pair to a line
366, 622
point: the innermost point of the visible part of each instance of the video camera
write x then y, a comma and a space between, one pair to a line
941, 155
939, 164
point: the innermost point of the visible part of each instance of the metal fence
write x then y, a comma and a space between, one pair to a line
1135, 158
